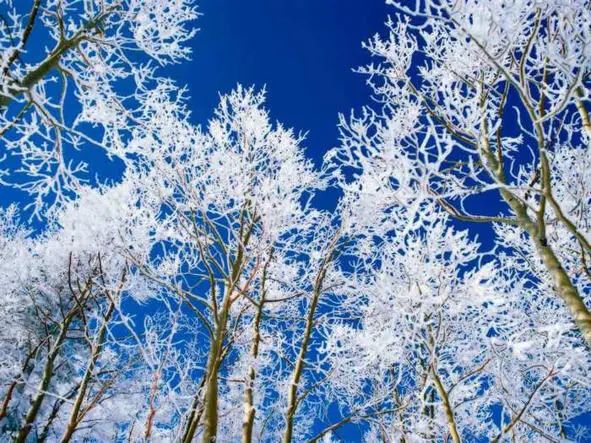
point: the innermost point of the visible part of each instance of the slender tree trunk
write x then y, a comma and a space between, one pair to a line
562, 283
15, 383
195, 413
152, 409
586, 120
96, 351
213, 364
54, 412
31, 414
216, 350
449, 414
292, 398
7, 398
565, 289
249, 409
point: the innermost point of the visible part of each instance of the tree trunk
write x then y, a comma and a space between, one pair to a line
31, 414
96, 351
194, 414
562, 282
292, 399
449, 414
249, 409
211, 383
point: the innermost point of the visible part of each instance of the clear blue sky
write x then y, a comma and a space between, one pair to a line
302, 50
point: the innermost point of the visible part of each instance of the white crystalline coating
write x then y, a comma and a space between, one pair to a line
203, 295
91, 86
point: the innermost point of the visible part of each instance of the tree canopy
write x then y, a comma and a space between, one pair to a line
201, 293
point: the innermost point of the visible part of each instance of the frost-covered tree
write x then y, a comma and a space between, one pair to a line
236, 222
92, 85
450, 346
61, 294
479, 120
485, 111
203, 296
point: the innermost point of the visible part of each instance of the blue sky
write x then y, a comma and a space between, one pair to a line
304, 51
